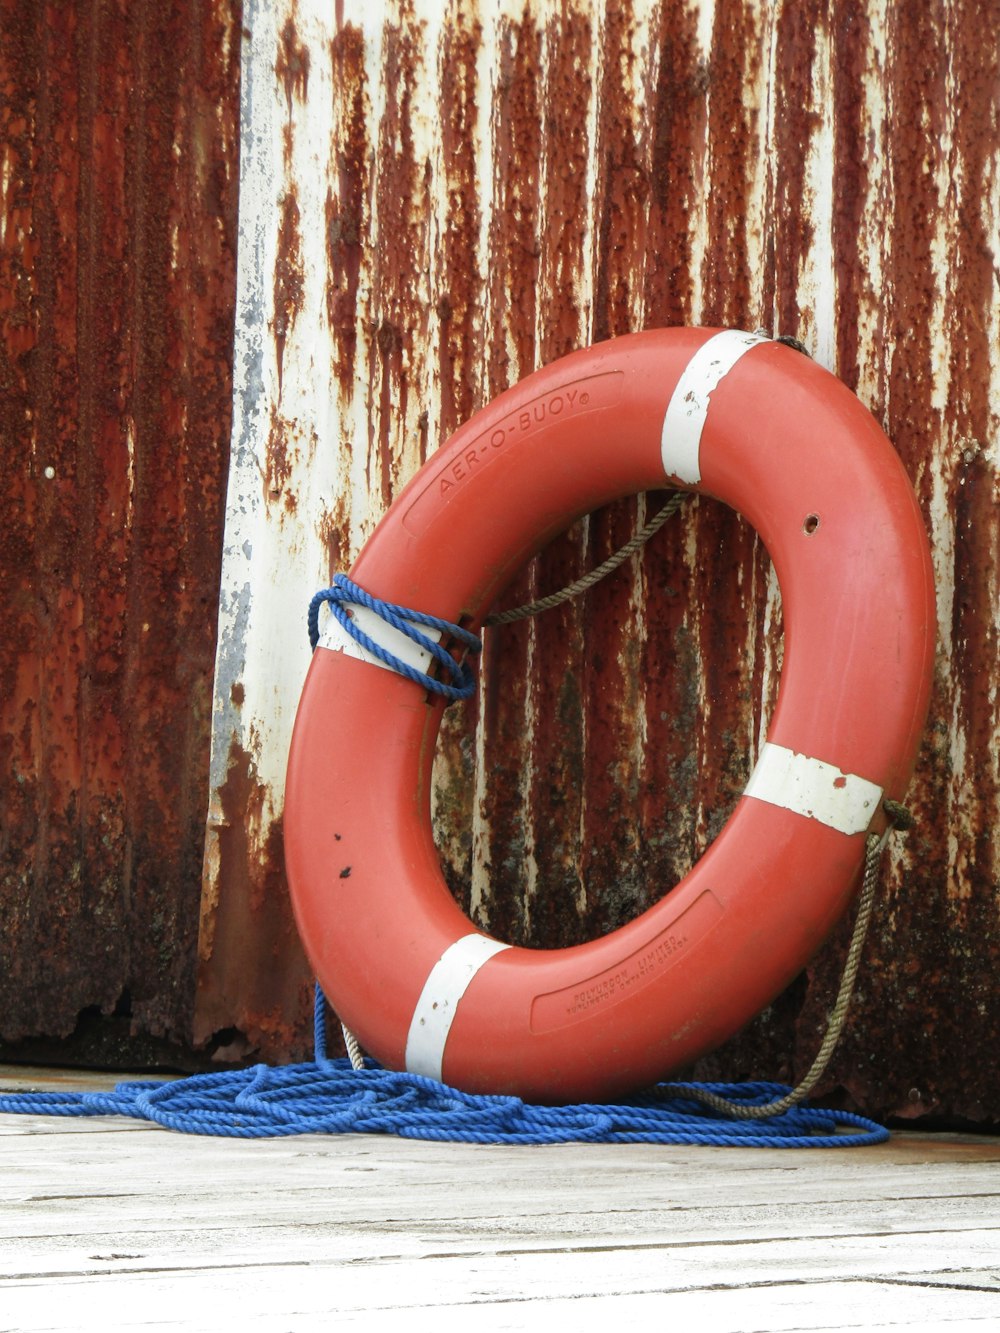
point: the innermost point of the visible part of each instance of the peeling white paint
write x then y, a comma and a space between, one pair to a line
271, 559
816, 292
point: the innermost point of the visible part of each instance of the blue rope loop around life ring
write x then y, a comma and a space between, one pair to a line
344, 593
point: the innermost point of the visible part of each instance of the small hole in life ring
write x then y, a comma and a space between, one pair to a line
810, 524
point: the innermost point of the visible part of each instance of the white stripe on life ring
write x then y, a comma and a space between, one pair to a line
687, 411
435, 1012
814, 789
337, 639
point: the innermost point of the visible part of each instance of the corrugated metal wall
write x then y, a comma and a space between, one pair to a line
118, 150
436, 199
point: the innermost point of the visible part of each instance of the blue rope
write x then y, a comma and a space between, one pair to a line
345, 593
319, 1024
332, 1098
329, 1097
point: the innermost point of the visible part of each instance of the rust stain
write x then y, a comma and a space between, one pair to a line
397, 320
279, 457
566, 99
292, 65
624, 185
791, 233
628, 857
288, 277
733, 133
674, 133
334, 533
345, 209
975, 498
852, 151
460, 332
254, 987
514, 243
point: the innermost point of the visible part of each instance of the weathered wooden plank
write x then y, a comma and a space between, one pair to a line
454, 1213
14, 1127
683, 1257
639, 1173
266, 1293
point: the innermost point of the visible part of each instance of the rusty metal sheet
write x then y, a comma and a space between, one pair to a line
118, 141
436, 199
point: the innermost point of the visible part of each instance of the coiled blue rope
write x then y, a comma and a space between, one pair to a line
344, 592
330, 1097
333, 1098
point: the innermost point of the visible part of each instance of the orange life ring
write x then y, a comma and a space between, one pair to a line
728, 414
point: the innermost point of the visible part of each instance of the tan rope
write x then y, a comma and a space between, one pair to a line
900, 818
608, 566
353, 1049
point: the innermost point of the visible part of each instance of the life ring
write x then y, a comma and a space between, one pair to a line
728, 414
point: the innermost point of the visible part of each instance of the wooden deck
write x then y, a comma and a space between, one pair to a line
124, 1224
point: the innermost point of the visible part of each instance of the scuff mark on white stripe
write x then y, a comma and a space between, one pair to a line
814, 789
687, 411
337, 640
435, 1012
